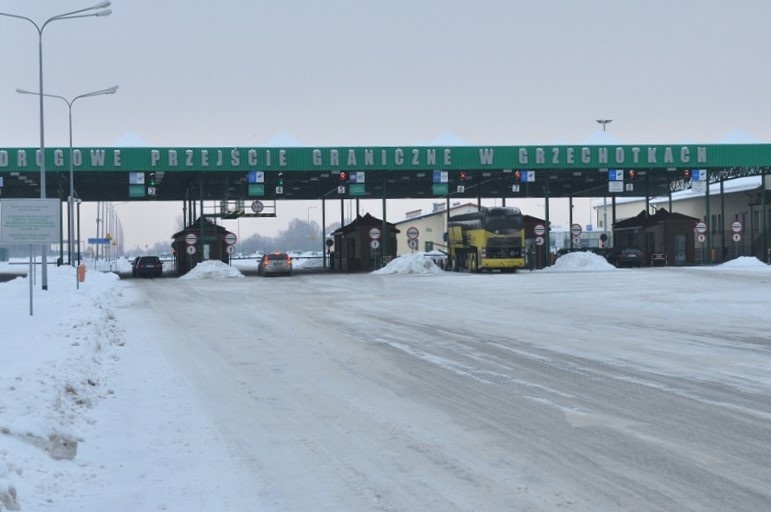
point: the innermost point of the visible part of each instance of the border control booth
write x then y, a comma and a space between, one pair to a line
200, 241
360, 245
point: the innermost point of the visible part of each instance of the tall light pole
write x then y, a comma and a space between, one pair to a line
70, 227
100, 10
604, 122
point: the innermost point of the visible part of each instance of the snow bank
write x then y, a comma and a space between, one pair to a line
416, 263
52, 375
580, 260
742, 262
212, 269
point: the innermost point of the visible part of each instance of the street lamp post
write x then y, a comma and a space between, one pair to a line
70, 227
101, 10
309, 213
309, 224
604, 122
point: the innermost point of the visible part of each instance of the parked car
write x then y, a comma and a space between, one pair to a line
275, 263
626, 257
148, 266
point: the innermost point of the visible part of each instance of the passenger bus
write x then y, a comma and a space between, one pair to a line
490, 239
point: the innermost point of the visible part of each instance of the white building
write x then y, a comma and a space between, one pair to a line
736, 200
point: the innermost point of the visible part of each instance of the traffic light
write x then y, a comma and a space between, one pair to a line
687, 174
632, 174
517, 176
281, 179
463, 176
343, 176
151, 180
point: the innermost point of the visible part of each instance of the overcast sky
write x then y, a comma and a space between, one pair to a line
358, 72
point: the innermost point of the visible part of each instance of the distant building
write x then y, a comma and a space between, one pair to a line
743, 200
431, 227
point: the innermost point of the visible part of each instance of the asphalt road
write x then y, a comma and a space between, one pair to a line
628, 390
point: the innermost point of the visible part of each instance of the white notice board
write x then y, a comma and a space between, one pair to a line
29, 221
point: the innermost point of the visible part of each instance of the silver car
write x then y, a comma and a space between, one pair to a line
275, 263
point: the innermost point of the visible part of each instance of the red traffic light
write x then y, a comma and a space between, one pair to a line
343, 176
463, 175
687, 174
632, 174
517, 175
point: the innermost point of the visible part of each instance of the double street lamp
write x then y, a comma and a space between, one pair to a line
70, 217
604, 122
99, 9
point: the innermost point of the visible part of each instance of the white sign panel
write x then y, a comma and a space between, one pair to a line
136, 178
615, 186
29, 221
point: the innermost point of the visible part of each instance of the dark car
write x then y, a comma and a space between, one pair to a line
147, 266
631, 258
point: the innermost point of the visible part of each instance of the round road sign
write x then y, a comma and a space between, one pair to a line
230, 239
701, 227
374, 234
539, 240
737, 237
190, 249
539, 230
412, 233
257, 206
736, 227
191, 239
375, 244
230, 249
575, 229
412, 243
701, 238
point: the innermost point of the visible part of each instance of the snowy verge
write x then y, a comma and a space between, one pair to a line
52, 374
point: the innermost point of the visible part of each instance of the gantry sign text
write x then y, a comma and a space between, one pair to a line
385, 158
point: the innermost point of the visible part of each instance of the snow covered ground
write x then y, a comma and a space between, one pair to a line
580, 387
